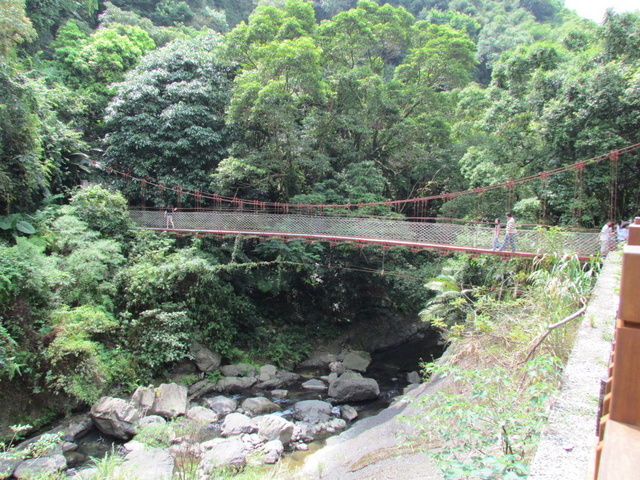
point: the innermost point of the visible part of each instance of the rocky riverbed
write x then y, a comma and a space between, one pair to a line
245, 416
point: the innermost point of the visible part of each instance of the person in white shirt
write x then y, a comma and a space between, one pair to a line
510, 237
607, 238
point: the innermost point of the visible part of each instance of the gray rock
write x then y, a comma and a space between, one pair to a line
171, 401
148, 464
205, 359
337, 367
8, 463
202, 415
353, 387
278, 393
357, 361
348, 413
201, 388
115, 417
235, 384
303, 432
266, 373
272, 452
76, 427
238, 370
320, 360
151, 420
133, 445
315, 384
413, 377
260, 406
221, 405
74, 459
229, 452
237, 423
143, 399
274, 427
42, 466
312, 411
270, 370
68, 447
287, 378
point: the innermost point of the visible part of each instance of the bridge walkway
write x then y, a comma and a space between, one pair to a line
385, 231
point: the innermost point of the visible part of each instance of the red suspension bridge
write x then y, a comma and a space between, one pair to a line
354, 223
387, 232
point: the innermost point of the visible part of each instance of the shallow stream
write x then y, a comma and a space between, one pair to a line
389, 368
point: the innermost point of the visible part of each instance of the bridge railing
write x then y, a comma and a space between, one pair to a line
619, 428
382, 230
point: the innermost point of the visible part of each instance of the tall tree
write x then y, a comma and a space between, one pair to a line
167, 119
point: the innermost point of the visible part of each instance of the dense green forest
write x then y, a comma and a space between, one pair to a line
331, 101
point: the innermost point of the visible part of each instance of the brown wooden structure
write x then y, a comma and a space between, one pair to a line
618, 450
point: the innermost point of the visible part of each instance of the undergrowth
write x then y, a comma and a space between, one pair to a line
496, 381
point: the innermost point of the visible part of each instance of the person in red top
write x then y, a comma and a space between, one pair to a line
510, 237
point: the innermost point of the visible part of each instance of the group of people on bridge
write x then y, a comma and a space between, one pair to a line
612, 234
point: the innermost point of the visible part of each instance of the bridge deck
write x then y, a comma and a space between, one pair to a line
384, 231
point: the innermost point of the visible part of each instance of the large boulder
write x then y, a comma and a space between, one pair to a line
221, 405
312, 411
353, 387
205, 359
238, 370
148, 464
40, 467
282, 378
228, 452
235, 384
267, 372
357, 361
237, 423
271, 452
314, 384
201, 388
115, 417
259, 406
202, 415
143, 399
274, 427
171, 401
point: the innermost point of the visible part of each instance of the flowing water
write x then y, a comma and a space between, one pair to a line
389, 368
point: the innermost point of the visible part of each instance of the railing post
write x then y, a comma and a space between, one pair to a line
634, 232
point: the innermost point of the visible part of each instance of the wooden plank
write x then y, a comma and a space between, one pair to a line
634, 234
625, 394
629, 309
619, 459
606, 404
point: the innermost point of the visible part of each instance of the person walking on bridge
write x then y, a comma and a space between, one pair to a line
496, 235
510, 237
168, 215
607, 238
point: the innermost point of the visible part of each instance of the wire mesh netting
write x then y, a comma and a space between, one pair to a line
378, 230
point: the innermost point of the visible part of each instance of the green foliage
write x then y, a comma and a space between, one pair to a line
90, 262
91, 63
79, 361
170, 107
487, 422
158, 337
15, 26
102, 210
